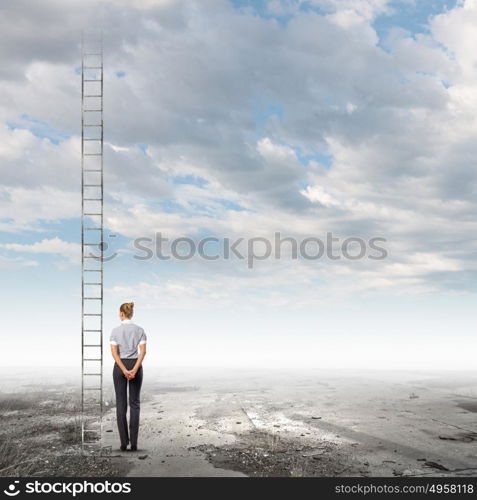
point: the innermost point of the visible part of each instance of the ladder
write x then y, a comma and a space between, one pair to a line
91, 244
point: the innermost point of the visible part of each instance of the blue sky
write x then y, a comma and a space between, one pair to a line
239, 120
411, 16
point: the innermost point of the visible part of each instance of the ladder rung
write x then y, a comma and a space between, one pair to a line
92, 314
91, 80
91, 330
92, 298
92, 67
92, 359
92, 199
92, 110
91, 170
92, 154
89, 140
91, 374
92, 229
88, 213
92, 95
97, 257
91, 388
92, 270
92, 345
92, 185
91, 244
92, 54
92, 283
92, 125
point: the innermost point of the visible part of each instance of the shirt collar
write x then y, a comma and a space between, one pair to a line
125, 321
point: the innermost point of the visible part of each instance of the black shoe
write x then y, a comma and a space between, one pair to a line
123, 447
133, 447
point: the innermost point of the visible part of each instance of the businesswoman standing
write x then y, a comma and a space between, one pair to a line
128, 347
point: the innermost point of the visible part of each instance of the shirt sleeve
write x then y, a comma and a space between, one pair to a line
112, 339
143, 338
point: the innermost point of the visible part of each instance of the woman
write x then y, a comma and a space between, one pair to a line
126, 339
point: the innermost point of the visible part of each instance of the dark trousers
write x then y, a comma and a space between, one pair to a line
120, 386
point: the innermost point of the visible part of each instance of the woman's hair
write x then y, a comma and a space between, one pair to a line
127, 309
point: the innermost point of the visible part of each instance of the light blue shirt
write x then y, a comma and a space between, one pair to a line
128, 336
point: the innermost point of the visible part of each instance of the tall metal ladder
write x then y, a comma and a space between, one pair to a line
91, 243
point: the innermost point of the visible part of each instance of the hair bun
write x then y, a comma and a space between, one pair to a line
127, 309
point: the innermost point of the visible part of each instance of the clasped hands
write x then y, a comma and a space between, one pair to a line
129, 374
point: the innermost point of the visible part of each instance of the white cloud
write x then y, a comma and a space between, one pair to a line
27, 206
54, 246
319, 194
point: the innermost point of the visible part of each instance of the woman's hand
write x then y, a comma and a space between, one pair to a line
129, 374
115, 353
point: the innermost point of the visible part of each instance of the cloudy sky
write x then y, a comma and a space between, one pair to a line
240, 119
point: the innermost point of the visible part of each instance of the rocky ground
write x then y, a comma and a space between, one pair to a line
258, 424
299, 424
259, 454
41, 435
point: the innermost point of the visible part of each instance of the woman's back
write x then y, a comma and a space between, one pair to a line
128, 336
